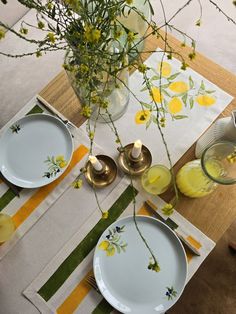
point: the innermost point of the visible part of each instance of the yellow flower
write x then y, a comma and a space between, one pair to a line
24, 31
130, 37
51, 37
38, 54
165, 69
105, 215
167, 209
86, 111
104, 245
77, 184
142, 116
179, 87
91, 34
129, 1
205, 100
41, 25
156, 95
175, 105
2, 33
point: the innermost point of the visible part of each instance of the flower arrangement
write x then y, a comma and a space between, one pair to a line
99, 46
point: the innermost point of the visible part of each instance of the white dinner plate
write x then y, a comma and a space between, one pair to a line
121, 266
35, 150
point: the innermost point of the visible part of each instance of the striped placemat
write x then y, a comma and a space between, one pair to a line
62, 288
33, 203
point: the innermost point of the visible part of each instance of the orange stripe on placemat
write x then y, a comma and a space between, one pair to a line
76, 296
33, 202
194, 242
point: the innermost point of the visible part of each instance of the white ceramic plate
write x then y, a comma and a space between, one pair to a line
35, 150
123, 276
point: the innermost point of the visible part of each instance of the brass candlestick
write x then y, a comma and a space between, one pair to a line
131, 165
103, 177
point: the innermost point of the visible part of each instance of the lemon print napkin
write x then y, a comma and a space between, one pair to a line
188, 103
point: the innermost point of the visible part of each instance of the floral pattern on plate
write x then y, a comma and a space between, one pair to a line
171, 293
15, 128
113, 242
55, 164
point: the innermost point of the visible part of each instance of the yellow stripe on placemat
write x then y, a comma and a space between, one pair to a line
194, 242
33, 202
82, 289
76, 296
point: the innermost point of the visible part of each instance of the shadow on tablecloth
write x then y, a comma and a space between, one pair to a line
213, 288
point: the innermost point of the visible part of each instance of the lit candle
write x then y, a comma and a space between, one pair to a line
95, 163
137, 148
7, 227
156, 179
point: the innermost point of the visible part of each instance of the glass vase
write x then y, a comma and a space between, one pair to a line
110, 90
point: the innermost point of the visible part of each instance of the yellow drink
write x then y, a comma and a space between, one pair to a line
7, 227
156, 179
192, 181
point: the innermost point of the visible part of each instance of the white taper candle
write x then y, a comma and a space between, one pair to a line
137, 148
95, 163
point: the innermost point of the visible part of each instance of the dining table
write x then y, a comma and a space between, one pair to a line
212, 214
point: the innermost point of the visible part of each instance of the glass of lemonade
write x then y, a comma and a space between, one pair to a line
156, 179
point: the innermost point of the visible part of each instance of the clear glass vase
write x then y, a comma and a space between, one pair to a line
112, 90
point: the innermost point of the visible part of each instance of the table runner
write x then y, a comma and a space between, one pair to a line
33, 203
191, 104
61, 287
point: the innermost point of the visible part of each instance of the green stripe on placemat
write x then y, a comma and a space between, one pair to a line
8, 196
103, 308
35, 109
86, 245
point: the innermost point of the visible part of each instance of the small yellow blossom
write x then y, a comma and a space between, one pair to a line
83, 68
91, 135
129, 1
49, 5
167, 209
38, 54
142, 68
105, 215
91, 34
130, 37
86, 111
24, 31
77, 184
2, 33
41, 25
51, 37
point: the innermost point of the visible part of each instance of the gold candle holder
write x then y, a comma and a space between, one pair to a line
105, 176
131, 165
